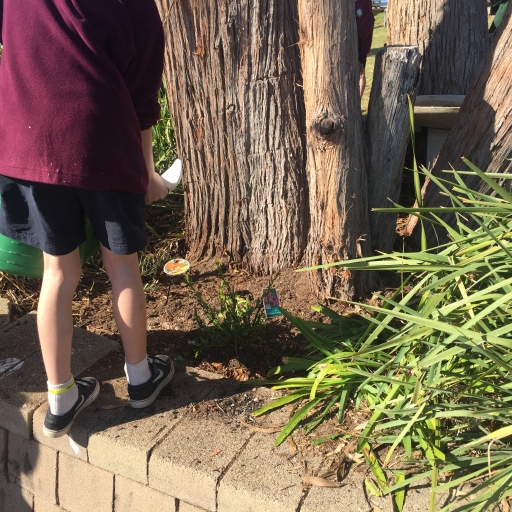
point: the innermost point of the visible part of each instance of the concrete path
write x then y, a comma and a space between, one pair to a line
163, 458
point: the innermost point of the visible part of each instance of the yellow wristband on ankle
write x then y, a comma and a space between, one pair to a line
59, 390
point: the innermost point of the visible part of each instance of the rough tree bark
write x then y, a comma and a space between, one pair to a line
335, 145
395, 79
482, 132
234, 84
451, 36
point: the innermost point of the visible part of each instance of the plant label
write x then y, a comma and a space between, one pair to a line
271, 302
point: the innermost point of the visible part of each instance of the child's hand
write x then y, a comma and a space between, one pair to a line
156, 188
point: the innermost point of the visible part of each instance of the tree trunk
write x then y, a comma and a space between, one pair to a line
395, 79
234, 84
483, 130
335, 145
451, 35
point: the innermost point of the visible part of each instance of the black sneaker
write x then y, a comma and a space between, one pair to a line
57, 426
162, 371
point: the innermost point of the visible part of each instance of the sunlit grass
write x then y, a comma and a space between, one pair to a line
379, 39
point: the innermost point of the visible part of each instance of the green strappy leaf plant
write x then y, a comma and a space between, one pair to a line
431, 364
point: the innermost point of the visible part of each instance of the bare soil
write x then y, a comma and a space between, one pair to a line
172, 329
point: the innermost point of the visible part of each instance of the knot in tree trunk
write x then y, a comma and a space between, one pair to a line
327, 127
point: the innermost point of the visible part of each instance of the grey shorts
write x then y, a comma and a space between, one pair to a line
52, 217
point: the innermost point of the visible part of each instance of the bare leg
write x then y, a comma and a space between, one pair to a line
54, 313
362, 80
129, 302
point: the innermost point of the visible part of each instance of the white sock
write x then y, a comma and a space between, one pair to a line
137, 373
62, 397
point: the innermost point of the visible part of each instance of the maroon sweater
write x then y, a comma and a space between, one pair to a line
365, 21
79, 79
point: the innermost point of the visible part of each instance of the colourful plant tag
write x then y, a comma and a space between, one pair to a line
271, 302
177, 266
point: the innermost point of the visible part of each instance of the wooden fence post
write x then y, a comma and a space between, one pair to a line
395, 79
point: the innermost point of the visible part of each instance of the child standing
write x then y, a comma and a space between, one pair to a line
79, 85
365, 22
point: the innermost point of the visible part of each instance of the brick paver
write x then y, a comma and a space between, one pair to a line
262, 478
336, 499
14, 498
32, 466
122, 443
83, 487
41, 505
189, 462
131, 496
187, 507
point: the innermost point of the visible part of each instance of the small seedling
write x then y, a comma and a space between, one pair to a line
235, 318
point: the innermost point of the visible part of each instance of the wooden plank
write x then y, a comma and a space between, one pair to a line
439, 100
442, 118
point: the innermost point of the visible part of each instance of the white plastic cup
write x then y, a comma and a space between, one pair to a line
172, 176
